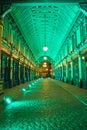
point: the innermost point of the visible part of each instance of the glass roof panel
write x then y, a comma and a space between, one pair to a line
45, 24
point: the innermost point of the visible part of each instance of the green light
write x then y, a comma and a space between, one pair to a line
45, 48
29, 85
35, 82
45, 58
23, 89
32, 83
45, 23
83, 57
7, 99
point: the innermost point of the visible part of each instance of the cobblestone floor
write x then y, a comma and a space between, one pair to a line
46, 105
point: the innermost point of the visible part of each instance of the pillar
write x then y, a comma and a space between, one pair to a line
19, 43
28, 73
80, 71
66, 72
11, 60
1, 35
11, 71
24, 63
85, 28
12, 36
71, 72
62, 72
9, 35
19, 73
24, 74
81, 32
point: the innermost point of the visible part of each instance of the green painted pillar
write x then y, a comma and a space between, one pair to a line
80, 70
19, 73
12, 35
24, 73
24, 63
11, 71
19, 43
71, 72
11, 60
66, 72
62, 72
81, 31
1, 35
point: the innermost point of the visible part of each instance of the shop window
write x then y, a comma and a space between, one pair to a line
21, 73
64, 73
76, 72
15, 72
5, 69
69, 73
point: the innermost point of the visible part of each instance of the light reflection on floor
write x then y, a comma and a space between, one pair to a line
45, 107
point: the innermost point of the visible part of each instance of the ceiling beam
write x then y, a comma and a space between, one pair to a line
84, 6
42, 1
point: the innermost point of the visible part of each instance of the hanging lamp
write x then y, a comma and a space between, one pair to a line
45, 48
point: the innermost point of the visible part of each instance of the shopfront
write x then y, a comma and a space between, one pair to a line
69, 73
84, 70
15, 72
76, 72
5, 69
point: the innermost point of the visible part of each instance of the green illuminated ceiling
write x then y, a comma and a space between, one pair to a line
46, 23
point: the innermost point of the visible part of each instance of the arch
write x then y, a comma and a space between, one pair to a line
41, 59
5, 13
5, 9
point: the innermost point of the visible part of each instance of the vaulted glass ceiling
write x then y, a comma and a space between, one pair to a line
45, 24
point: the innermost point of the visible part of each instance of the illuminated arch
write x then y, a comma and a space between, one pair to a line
41, 59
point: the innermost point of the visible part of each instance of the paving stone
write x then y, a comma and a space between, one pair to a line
47, 107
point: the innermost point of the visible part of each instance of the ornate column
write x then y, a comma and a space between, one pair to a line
24, 73
66, 72
29, 74
1, 34
19, 62
80, 71
19, 73
24, 66
62, 72
12, 35
11, 71
11, 60
81, 31
71, 72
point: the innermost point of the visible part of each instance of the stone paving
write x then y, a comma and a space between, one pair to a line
47, 105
